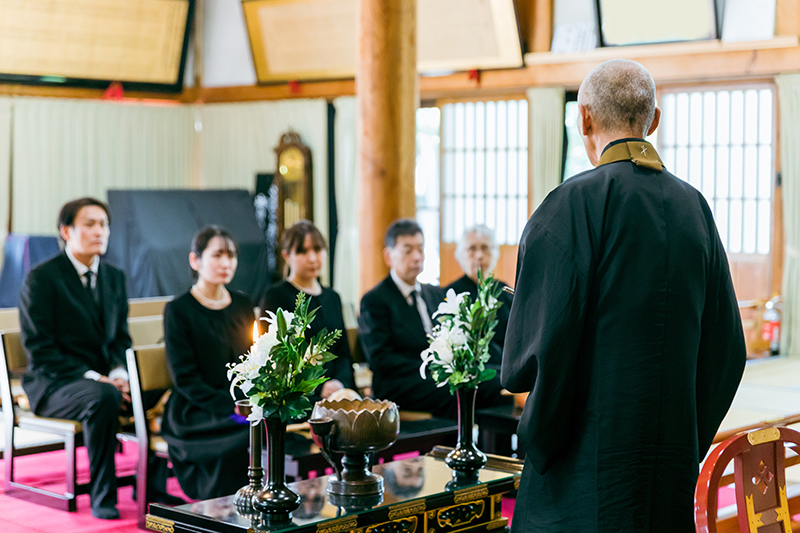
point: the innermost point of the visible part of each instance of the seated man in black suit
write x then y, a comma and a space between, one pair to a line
393, 326
478, 249
73, 312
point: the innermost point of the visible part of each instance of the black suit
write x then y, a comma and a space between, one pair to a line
393, 337
65, 334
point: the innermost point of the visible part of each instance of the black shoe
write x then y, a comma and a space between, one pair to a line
106, 512
166, 498
159, 496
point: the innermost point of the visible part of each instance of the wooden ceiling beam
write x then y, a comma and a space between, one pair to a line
669, 64
10, 89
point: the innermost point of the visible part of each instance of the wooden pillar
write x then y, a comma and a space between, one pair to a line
541, 26
787, 17
387, 87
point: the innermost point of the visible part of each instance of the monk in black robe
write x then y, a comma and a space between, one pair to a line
624, 328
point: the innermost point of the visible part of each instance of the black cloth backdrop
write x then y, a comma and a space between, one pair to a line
22, 253
151, 234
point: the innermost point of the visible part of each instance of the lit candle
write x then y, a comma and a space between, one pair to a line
255, 331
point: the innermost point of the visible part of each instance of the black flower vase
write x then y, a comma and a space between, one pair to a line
275, 501
465, 458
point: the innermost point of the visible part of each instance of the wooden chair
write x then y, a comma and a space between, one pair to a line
147, 306
759, 464
68, 434
147, 371
9, 318
146, 330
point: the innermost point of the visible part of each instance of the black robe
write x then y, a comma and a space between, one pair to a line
626, 330
328, 316
465, 284
208, 449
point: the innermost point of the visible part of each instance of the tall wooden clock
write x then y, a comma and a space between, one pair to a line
293, 178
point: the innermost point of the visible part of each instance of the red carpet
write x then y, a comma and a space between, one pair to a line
47, 470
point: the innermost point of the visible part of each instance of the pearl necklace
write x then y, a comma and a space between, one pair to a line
205, 301
315, 290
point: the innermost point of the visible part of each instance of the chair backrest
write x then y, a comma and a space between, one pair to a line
149, 365
13, 363
146, 330
147, 370
147, 306
9, 318
14, 353
355, 346
759, 476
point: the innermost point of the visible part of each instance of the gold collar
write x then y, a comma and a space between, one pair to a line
642, 153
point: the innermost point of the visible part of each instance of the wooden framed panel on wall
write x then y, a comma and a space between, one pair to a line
90, 43
317, 39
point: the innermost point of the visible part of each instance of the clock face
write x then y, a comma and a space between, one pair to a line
292, 164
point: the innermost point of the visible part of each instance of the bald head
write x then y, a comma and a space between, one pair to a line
621, 97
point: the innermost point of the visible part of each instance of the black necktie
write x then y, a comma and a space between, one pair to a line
92, 291
413, 296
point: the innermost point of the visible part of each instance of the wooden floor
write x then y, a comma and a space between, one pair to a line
770, 390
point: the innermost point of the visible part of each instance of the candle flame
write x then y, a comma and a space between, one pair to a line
255, 331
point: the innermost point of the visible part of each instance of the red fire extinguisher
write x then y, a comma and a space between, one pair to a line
771, 329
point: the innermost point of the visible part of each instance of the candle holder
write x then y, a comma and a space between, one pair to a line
243, 499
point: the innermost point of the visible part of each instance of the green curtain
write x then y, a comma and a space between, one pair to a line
789, 105
5, 169
64, 149
237, 141
346, 265
546, 140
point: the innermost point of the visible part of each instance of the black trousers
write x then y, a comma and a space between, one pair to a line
97, 406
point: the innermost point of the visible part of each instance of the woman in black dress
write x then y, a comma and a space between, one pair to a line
205, 329
478, 249
304, 251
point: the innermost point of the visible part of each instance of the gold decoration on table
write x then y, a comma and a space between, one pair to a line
347, 523
159, 524
406, 509
468, 495
461, 514
401, 525
495, 524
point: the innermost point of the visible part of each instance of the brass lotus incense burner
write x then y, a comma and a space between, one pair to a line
354, 429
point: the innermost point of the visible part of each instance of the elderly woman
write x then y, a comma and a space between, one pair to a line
478, 249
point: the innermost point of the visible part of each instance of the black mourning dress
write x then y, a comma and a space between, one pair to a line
465, 284
329, 315
209, 451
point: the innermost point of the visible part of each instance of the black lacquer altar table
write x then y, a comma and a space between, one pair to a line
420, 496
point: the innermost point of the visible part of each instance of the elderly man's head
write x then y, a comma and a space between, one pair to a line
477, 249
616, 100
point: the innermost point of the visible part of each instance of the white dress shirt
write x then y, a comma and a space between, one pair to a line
406, 290
82, 269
